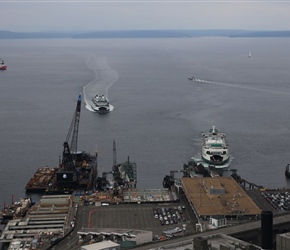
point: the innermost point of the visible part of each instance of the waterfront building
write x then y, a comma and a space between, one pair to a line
104, 245
283, 241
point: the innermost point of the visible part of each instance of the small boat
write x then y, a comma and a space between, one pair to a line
191, 78
100, 104
16, 210
2, 65
215, 148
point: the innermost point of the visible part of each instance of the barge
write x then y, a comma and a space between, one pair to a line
77, 169
82, 177
39, 182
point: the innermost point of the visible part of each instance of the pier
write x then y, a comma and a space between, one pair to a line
60, 219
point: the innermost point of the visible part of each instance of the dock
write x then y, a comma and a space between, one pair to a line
17, 209
60, 220
50, 218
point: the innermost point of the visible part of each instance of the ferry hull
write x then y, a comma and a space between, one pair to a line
216, 161
101, 110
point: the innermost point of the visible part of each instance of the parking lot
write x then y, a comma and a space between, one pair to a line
169, 215
275, 201
151, 217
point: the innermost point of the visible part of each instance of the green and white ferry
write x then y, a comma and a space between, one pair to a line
215, 148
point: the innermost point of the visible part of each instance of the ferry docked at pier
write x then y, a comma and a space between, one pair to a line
100, 104
215, 148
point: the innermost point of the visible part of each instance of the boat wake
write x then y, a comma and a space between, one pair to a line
199, 80
240, 86
104, 78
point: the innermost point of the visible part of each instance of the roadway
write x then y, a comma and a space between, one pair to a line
249, 226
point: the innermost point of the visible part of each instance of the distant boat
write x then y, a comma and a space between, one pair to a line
250, 54
100, 104
2, 65
191, 78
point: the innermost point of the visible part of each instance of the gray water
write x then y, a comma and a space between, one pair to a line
158, 114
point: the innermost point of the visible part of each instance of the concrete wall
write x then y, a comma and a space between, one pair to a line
283, 241
144, 237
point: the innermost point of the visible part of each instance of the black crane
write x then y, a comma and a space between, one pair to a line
69, 155
77, 169
66, 176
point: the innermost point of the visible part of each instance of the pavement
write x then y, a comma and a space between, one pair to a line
125, 216
141, 217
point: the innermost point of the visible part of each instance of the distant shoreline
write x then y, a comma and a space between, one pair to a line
144, 34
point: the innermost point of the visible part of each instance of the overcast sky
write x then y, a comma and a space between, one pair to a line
94, 15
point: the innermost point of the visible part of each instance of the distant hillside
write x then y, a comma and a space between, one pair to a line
143, 34
158, 33
285, 33
34, 35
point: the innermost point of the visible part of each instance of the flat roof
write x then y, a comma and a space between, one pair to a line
219, 240
234, 200
149, 195
111, 231
101, 245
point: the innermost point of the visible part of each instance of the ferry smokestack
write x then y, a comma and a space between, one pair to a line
267, 230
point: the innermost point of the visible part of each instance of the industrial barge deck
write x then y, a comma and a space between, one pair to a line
39, 182
77, 169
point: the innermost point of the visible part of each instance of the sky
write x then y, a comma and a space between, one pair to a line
99, 15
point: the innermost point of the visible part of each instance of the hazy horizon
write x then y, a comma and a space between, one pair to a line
68, 16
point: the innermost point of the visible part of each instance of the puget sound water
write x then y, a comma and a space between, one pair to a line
158, 114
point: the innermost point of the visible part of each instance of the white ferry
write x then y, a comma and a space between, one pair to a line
215, 148
100, 104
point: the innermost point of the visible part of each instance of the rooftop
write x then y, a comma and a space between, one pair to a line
101, 245
218, 196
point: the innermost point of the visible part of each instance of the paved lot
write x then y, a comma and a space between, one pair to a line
127, 216
138, 216
133, 216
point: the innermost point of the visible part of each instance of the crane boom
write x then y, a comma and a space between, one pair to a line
114, 155
70, 152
